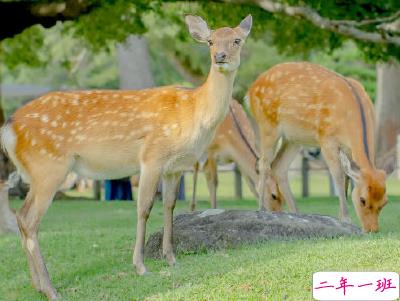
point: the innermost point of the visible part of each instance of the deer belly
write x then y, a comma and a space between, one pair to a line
107, 164
299, 135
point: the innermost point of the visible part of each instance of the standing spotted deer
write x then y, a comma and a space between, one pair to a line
306, 104
114, 134
234, 141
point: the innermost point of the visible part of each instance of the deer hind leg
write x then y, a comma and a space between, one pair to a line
194, 197
268, 138
148, 183
330, 151
170, 190
38, 200
210, 171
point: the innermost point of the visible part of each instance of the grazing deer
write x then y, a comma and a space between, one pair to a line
112, 134
306, 104
234, 141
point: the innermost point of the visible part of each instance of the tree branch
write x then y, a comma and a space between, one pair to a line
343, 28
377, 21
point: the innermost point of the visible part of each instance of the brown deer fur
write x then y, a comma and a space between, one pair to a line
306, 104
113, 134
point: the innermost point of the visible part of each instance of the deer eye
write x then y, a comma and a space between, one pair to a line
274, 196
237, 42
210, 43
362, 200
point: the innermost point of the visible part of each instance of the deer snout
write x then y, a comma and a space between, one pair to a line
220, 57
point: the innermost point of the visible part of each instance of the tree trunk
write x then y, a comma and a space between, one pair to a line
134, 64
8, 222
387, 110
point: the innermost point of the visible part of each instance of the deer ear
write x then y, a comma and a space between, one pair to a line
198, 28
349, 166
387, 163
245, 25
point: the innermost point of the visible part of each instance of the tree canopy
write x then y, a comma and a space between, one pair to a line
295, 27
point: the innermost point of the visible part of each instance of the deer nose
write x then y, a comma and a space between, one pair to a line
220, 57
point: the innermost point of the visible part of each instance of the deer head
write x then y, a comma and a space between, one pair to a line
225, 43
369, 194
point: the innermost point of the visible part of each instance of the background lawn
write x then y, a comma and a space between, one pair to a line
88, 250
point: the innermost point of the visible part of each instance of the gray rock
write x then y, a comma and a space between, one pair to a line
220, 229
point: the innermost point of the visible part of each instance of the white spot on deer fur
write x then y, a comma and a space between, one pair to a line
43, 151
54, 124
33, 142
167, 131
262, 89
174, 126
185, 97
67, 111
32, 115
80, 137
44, 100
44, 118
73, 132
75, 102
30, 244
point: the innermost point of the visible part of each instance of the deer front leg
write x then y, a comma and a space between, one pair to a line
149, 178
268, 138
280, 168
210, 171
330, 151
170, 190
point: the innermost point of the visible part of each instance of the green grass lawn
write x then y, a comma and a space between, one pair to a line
88, 249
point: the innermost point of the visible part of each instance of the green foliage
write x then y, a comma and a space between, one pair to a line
112, 21
23, 48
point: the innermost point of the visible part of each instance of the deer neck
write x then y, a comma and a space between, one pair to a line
360, 156
215, 94
362, 160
